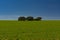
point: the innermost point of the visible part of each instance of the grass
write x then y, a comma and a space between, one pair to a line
30, 30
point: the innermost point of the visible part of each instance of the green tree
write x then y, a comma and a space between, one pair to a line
29, 18
22, 18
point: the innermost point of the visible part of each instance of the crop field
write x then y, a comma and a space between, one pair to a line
30, 30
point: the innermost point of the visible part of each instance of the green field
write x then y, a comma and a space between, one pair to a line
30, 30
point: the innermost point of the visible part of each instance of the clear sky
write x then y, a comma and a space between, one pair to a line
12, 9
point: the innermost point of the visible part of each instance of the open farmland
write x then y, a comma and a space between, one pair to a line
30, 30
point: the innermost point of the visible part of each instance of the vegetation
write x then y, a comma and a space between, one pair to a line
29, 18
38, 19
30, 30
21, 18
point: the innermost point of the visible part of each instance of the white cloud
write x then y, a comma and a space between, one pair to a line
51, 18
9, 17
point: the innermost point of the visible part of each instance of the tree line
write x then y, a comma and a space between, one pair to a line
29, 18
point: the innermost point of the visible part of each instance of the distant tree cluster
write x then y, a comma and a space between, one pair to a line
29, 18
21, 18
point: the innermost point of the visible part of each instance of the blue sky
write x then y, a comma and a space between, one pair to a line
12, 9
